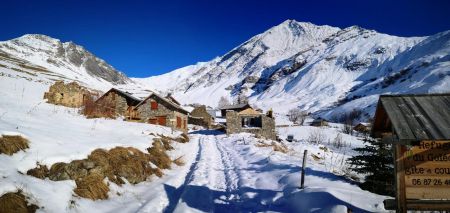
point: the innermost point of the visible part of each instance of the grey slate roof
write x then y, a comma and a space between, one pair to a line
165, 100
419, 117
236, 106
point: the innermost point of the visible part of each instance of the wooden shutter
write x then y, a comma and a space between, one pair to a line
154, 105
178, 122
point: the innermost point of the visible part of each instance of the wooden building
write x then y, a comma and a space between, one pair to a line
116, 103
156, 109
418, 127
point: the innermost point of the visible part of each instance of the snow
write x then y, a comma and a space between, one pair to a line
325, 79
222, 173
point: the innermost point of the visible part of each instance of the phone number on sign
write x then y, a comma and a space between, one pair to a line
429, 181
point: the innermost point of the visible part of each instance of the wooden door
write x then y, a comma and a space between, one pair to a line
162, 120
153, 121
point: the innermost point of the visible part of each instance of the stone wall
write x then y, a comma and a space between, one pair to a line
234, 125
164, 109
69, 95
201, 113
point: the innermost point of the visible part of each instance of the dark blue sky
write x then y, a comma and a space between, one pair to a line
144, 38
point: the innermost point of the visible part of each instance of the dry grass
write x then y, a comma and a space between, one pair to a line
117, 164
92, 187
39, 172
10, 144
158, 155
179, 161
277, 147
15, 202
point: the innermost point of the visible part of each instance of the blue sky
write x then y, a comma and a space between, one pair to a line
145, 38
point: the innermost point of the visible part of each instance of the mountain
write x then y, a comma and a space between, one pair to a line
321, 69
43, 55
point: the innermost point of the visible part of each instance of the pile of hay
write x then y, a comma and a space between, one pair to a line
41, 171
117, 164
158, 155
92, 187
10, 144
16, 202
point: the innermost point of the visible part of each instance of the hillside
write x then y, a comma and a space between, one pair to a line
321, 69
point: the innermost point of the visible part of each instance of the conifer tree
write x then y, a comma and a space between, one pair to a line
376, 161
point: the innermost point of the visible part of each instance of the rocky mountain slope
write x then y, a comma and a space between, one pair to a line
320, 69
43, 55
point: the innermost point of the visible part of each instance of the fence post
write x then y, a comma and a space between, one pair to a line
305, 154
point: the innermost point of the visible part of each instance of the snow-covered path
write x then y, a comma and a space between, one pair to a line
215, 180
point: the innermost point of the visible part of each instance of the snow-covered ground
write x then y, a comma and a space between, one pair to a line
222, 173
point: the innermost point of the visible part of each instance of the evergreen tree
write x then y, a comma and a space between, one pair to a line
376, 161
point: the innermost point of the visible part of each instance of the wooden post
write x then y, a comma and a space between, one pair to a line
305, 154
400, 177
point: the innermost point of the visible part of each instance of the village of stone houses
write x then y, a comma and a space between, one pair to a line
274, 133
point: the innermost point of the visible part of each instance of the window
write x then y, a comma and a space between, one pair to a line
248, 122
154, 105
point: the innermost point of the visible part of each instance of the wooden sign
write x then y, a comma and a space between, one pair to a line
427, 170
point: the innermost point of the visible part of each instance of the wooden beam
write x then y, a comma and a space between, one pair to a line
400, 178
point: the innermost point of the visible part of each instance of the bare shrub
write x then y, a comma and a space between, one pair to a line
223, 101
10, 144
296, 115
338, 142
317, 136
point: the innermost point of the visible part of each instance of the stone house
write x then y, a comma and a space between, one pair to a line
164, 111
319, 122
69, 95
251, 121
236, 107
200, 116
116, 103
363, 127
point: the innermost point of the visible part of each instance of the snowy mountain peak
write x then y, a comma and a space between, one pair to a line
67, 59
321, 69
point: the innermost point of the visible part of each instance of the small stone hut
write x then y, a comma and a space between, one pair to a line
200, 116
251, 121
116, 103
319, 122
363, 127
69, 95
164, 111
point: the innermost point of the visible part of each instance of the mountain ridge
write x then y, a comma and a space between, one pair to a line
321, 69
